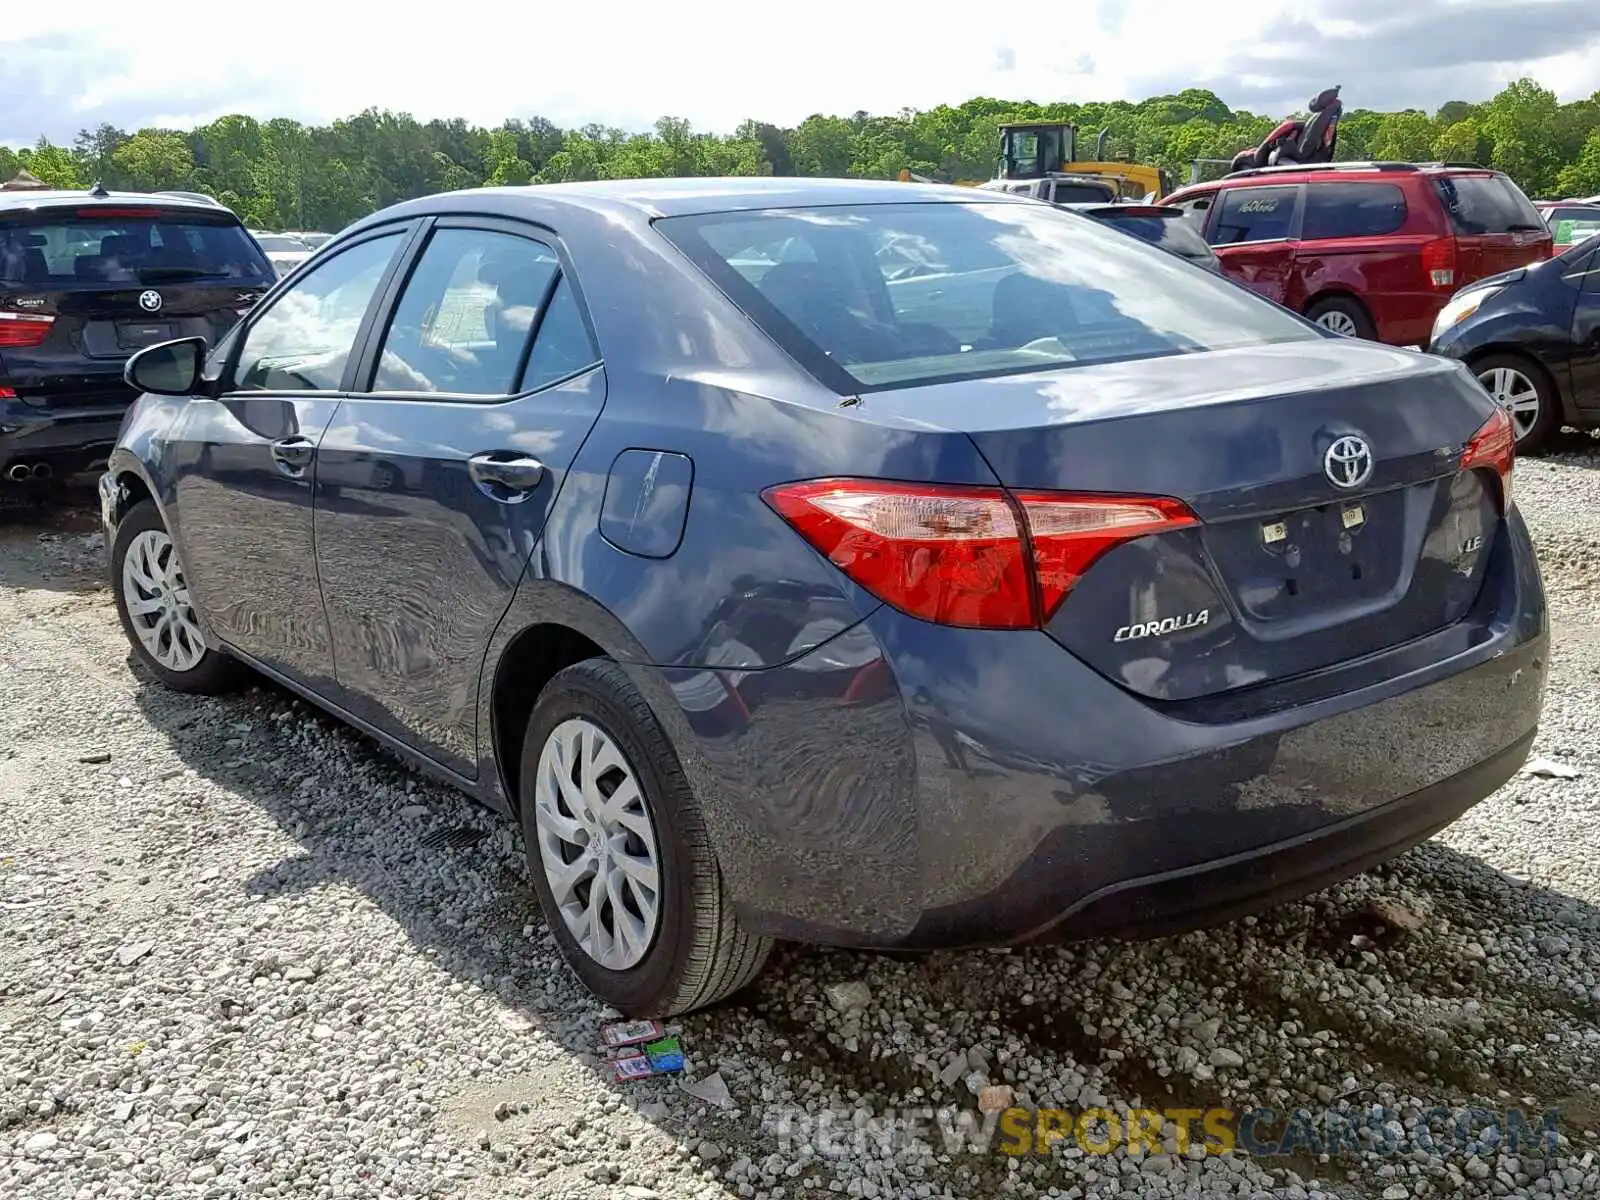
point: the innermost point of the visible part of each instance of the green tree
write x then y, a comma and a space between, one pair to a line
54, 165
1458, 143
1404, 137
1582, 178
1520, 124
153, 160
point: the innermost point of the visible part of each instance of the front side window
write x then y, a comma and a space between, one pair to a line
304, 341
968, 290
462, 322
1255, 214
1348, 210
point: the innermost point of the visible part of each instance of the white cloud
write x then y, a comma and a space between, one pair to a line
713, 61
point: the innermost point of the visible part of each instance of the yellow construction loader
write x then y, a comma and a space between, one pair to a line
1047, 150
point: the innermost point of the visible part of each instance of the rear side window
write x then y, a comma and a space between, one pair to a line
136, 246
1486, 204
867, 297
1256, 214
1348, 210
1569, 226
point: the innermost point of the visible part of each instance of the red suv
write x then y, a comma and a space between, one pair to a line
1368, 249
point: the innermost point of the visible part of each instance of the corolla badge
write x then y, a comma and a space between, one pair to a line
150, 301
1348, 462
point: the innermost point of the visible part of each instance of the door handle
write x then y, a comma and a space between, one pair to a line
512, 472
295, 453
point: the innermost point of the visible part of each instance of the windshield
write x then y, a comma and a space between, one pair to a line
892, 295
102, 248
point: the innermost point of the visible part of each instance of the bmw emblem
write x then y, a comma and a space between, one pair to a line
1348, 462
150, 301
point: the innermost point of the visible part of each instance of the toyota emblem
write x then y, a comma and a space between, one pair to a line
150, 301
1348, 462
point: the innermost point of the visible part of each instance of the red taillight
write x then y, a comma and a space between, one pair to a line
1493, 448
21, 331
975, 557
1070, 532
8, 393
1439, 262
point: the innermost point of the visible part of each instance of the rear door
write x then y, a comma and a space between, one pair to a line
100, 281
434, 482
244, 462
1497, 228
1253, 230
1351, 241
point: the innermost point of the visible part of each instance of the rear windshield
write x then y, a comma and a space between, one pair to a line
867, 297
1487, 204
280, 243
1081, 193
1176, 232
66, 250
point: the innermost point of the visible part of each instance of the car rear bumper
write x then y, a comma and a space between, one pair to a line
939, 788
69, 438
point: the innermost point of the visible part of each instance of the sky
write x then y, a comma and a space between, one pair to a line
66, 67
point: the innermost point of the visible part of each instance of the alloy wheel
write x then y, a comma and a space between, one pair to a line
1336, 321
1516, 394
157, 599
597, 844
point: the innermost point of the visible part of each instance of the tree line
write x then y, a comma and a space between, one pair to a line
280, 174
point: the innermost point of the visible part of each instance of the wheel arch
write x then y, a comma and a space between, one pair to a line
549, 626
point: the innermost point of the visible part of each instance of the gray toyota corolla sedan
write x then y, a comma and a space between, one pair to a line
872, 564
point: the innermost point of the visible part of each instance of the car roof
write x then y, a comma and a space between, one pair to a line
651, 198
1338, 172
60, 198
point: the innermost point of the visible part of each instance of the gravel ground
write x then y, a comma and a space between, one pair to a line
242, 952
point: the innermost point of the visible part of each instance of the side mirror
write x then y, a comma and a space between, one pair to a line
167, 369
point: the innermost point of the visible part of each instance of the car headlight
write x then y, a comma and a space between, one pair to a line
1459, 309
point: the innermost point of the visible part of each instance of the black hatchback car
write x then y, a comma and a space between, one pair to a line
1532, 337
86, 279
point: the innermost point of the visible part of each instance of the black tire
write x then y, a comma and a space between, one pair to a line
698, 954
1331, 308
1547, 424
215, 672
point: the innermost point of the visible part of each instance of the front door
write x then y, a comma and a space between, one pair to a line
244, 464
1253, 230
1586, 337
433, 486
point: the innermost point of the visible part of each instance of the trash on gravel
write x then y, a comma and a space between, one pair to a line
1549, 768
713, 1089
995, 1098
95, 759
631, 1066
1396, 915
849, 997
631, 1033
665, 1055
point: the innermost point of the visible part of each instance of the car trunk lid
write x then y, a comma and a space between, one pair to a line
1334, 518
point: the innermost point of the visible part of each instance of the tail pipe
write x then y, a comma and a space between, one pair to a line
18, 472
43, 470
